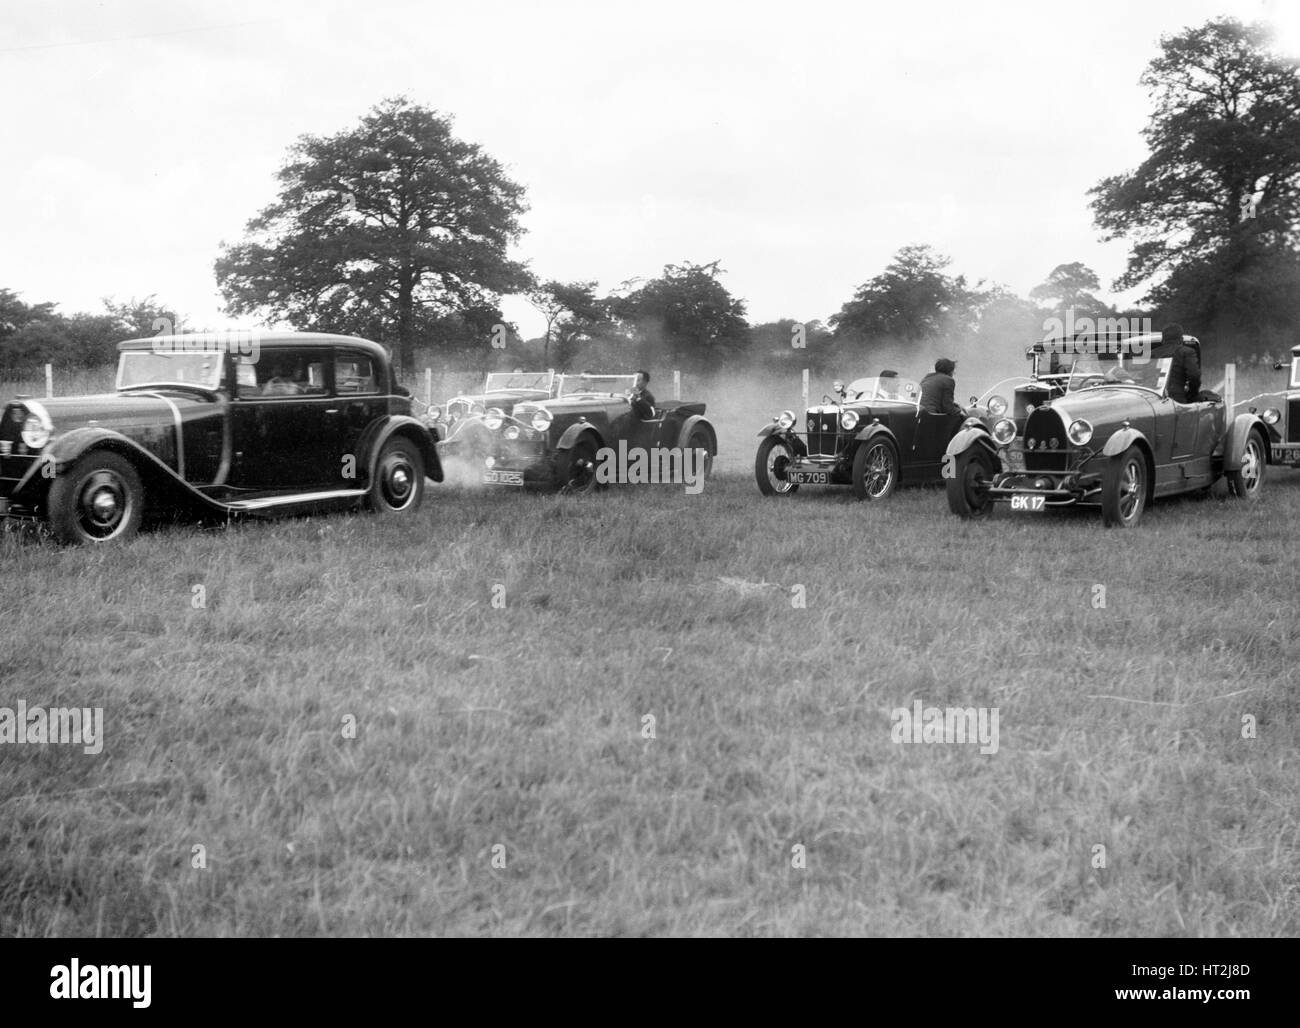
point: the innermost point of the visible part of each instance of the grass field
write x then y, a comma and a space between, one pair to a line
500, 653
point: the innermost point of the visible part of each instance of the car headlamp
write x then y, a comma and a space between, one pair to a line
542, 420
1004, 432
36, 430
837, 386
786, 420
1272, 416
494, 418
1079, 432
511, 432
849, 420
477, 408
434, 413
997, 406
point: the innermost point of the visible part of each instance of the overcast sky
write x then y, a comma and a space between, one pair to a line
799, 143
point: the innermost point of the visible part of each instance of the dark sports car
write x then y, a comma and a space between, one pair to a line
588, 435
1108, 436
502, 390
210, 425
871, 434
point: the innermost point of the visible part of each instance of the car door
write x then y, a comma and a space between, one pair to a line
284, 437
360, 397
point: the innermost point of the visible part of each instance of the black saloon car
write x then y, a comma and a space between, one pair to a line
218, 424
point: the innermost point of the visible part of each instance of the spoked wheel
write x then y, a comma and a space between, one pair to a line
875, 470
1247, 483
1124, 489
774, 456
398, 485
972, 473
576, 468
98, 500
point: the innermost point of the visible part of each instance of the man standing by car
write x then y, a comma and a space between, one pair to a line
643, 401
1185, 369
938, 389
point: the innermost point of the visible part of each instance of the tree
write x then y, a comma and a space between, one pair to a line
687, 317
1070, 287
573, 315
381, 231
1216, 205
911, 300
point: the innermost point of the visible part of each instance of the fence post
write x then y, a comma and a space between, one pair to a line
805, 388
49, 380
677, 385
428, 386
1229, 388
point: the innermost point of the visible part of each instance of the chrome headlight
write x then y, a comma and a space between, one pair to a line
1272, 416
849, 420
36, 431
511, 432
477, 408
1079, 432
997, 406
786, 420
434, 413
542, 420
1004, 432
837, 386
493, 418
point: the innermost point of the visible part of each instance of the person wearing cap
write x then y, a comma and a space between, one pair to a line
938, 389
1185, 368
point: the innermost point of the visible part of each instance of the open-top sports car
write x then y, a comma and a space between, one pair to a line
870, 434
206, 425
1108, 436
558, 443
1283, 417
502, 390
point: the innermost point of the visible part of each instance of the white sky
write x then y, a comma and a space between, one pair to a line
799, 143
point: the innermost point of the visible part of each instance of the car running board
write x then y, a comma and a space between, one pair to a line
294, 499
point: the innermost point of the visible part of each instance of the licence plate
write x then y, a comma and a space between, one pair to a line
1029, 504
504, 477
808, 477
1285, 454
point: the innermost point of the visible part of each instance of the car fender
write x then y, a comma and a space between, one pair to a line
691, 423
63, 450
576, 430
1123, 439
383, 429
872, 430
1238, 432
793, 441
971, 435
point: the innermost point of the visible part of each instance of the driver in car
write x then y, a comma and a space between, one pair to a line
643, 401
938, 389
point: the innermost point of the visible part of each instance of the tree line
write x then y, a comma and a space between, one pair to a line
398, 231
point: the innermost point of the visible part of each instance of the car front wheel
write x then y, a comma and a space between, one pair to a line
1246, 483
398, 485
875, 470
576, 468
774, 457
968, 483
98, 500
1124, 489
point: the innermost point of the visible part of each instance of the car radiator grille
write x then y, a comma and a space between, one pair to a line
823, 435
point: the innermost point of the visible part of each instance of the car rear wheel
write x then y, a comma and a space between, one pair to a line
699, 440
875, 470
972, 472
576, 467
398, 485
1246, 483
774, 456
99, 499
1124, 489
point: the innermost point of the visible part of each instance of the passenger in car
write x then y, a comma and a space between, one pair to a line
938, 389
643, 401
1185, 371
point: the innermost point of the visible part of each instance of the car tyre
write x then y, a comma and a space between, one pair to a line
699, 440
1248, 482
972, 470
774, 453
398, 483
877, 460
1124, 489
99, 499
575, 470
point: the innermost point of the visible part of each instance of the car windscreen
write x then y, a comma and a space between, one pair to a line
604, 384
888, 388
499, 381
138, 368
1132, 371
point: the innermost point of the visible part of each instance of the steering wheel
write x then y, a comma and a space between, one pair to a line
1092, 380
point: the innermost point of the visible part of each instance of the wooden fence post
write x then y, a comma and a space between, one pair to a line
1229, 388
49, 380
428, 386
805, 388
677, 385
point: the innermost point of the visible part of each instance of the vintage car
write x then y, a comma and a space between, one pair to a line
218, 424
870, 434
502, 390
1283, 418
1109, 436
556, 443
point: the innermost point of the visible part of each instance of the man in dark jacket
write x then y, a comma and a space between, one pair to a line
938, 389
1185, 371
643, 401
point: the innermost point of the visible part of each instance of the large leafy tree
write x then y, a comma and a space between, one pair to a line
393, 229
1213, 211
1071, 287
912, 299
686, 317
574, 315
